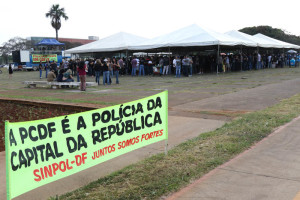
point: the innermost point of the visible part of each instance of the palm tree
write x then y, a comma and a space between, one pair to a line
55, 13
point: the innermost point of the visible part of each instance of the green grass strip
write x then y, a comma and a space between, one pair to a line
161, 175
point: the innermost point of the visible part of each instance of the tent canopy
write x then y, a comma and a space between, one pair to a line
279, 42
49, 42
117, 42
189, 36
260, 42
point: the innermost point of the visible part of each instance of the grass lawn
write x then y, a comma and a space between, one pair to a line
181, 90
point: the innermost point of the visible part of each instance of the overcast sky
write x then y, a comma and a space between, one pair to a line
148, 19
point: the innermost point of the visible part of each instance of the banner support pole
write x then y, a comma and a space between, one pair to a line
7, 161
166, 147
166, 140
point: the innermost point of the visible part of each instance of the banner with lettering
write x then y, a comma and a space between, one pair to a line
42, 151
44, 58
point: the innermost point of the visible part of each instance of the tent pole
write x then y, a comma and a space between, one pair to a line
241, 58
218, 59
257, 58
169, 69
283, 58
127, 65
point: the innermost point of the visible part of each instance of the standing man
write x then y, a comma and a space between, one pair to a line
82, 75
76, 67
166, 65
177, 65
121, 65
105, 72
98, 67
227, 63
117, 69
41, 69
137, 63
258, 61
66, 65
220, 63
142, 66
190, 66
269, 61
185, 65
47, 66
134, 66
150, 67
54, 67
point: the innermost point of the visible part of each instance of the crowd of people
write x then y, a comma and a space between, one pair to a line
178, 66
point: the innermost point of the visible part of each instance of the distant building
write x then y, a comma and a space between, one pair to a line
93, 38
35, 40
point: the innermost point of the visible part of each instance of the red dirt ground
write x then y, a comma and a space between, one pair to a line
15, 112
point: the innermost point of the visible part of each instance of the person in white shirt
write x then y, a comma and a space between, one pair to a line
177, 65
138, 63
258, 61
269, 61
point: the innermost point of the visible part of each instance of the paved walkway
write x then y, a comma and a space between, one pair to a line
246, 100
270, 170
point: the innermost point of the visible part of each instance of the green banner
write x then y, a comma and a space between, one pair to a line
42, 151
44, 58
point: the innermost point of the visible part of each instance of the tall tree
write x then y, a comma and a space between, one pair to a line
276, 33
13, 44
56, 13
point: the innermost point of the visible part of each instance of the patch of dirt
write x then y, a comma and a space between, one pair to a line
18, 112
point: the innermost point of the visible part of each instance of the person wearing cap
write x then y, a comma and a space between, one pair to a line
105, 73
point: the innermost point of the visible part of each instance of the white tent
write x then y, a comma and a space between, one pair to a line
191, 36
117, 42
279, 42
260, 42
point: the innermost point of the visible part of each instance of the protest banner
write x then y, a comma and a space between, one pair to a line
42, 151
44, 58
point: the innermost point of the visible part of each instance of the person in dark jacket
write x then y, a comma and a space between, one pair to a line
41, 69
60, 75
105, 73
98, 68
10, 71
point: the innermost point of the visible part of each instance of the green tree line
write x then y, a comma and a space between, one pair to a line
275, 33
